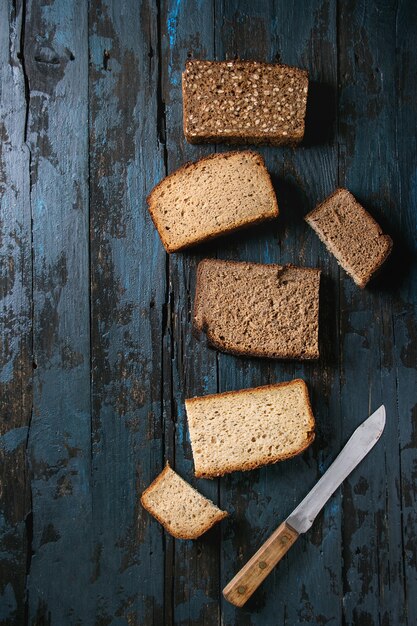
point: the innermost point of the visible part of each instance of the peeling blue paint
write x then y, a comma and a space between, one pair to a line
41, 207
333, 507
207, 382
13, 438
324, 462
8, 603
172, 26
175, 78
97, 47
267, 255
6, 373
172, 22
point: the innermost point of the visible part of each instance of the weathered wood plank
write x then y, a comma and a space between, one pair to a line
15, 318
374, 586
187, 31
128, 301
274, 31
55, 53
405, 308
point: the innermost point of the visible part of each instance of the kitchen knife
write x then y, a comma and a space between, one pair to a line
248, 579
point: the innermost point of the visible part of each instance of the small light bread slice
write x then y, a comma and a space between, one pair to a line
213, 196
242, 430
181, 509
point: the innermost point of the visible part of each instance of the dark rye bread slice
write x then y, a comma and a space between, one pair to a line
241, 430
258, 310
181, 509
213, 196
351, 234
244, 102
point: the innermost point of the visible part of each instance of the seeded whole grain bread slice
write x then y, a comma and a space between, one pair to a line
351, 234
213, 196
242, 430
244, 102
181, 509
258, 310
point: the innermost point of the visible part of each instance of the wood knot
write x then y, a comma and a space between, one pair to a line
47, 55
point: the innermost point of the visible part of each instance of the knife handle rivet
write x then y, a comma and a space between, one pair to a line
262, 564
284, 540
241, 589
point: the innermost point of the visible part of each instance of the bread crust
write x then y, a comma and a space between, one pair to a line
265, 460
241, 138
223, 346
238, 224
309, 218
213, 343
178, 535
256, 140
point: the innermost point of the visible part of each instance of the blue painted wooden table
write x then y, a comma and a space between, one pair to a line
96, 344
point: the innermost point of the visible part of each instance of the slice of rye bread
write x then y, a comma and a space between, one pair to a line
241, 430
181, 509
213, 196
244, 102
258, 310
351, 234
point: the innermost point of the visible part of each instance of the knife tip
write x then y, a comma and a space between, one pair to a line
380, 418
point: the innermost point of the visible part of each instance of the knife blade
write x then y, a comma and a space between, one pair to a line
248, 579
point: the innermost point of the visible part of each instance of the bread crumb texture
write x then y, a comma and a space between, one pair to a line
258, 310
351, 234
244, 102
238, 431
181, 509
213, 196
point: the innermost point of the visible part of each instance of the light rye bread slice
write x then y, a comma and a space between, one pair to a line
213, 196
244, 102
258, 310
351, 234
241, 430
181, 510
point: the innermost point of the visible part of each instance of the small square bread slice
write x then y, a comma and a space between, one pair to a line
181, 509
351, 234
244, 102
259, 310
213, 196
242, 430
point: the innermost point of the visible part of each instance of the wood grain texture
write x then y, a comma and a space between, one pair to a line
15, 319
403, 315
187, 30
253, 573
97, 353
128, 299
372, 533
55, 53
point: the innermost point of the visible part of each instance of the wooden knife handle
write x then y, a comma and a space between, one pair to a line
248, 579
